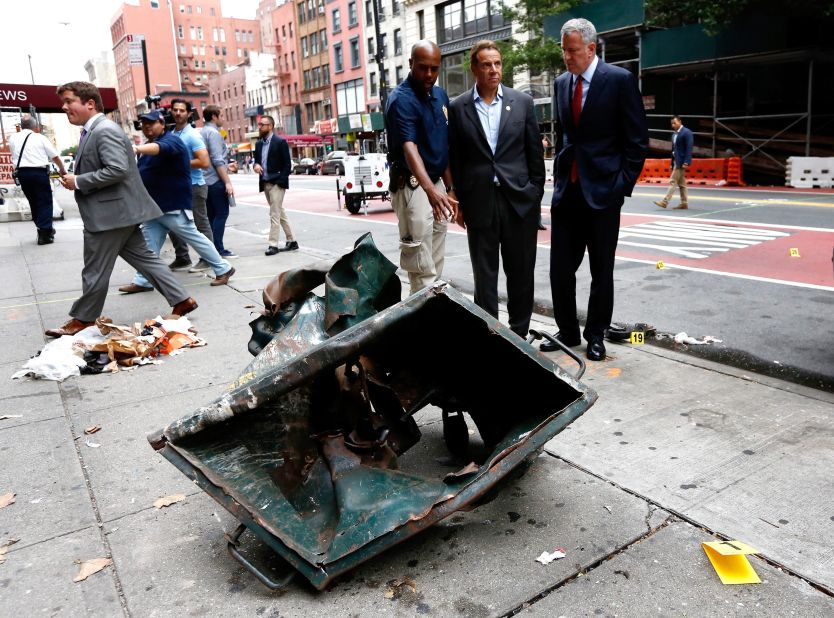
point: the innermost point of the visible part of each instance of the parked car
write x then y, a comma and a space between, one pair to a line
334, 163
305, 166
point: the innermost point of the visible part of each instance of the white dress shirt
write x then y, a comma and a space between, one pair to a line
39, 150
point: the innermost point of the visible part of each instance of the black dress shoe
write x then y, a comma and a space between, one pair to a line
549, 346
290, 246
596, 349
271, 250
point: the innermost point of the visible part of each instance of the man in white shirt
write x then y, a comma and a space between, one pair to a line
31, 153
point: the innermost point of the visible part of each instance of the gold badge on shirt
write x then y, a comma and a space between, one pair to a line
446, 113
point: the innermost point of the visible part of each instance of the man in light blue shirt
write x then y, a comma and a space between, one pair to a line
497, 163
181, 111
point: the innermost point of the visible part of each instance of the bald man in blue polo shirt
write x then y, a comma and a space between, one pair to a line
417, 119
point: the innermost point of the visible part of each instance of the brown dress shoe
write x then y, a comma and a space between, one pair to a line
224, 278
680, 207
70, 328
184, 306
661, 203
132, 288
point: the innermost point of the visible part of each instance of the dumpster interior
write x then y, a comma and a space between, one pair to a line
332, 449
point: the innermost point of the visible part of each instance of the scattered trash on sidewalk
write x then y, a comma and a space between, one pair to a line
92, 430
729, 559
607, 508
107, 347
6, 417
92, 444
548, 557
168, 500
5, 547
683, 338
90, 567
7, 499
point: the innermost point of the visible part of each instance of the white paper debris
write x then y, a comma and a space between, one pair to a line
684, 338
548, 557
92, 444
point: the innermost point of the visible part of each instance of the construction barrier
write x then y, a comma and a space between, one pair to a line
810, 172
14, 206
716, 172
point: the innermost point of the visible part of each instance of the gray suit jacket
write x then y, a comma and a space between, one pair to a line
110, 193
518, 162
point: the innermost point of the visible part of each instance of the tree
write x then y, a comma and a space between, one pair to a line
66, 152
537, 53
715, 16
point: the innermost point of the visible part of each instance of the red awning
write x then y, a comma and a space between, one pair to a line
308, 140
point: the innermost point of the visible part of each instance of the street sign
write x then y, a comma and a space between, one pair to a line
134, 48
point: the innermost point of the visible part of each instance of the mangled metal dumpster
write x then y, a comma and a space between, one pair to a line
336, 441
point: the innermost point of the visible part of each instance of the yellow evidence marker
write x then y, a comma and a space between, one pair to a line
637, 337
729, 559
794, 251
660, 265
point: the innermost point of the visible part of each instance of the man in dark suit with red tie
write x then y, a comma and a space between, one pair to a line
602, 138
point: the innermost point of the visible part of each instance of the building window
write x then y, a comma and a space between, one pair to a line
301, 13
398, 42
305, 51
199, 33
371, 50
325, 74
463, 18
398, 75
350, 97
251, 36
421, 25
154, 4
237, 36
317, 77
337, 21
354, 52
212, 12
369, 12
323, 39
183, 50
314, 43
193, 32
180, 32
353, 19
194, 50
222, 35
383, 45
306, 79
373, 84
292, 57
338, 60
395, 7
455, 77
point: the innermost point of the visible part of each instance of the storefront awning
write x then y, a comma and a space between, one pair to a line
308, 140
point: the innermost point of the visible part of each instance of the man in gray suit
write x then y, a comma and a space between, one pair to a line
497, 164
113, 202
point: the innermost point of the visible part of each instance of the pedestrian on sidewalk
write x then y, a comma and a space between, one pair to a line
273, 166
602, 141
181, 112
165, 168
681, 160
31, 153
113, 202
497, 161
220, 189
417, 121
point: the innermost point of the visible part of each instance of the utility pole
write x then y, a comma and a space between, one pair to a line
31, 73
380, 63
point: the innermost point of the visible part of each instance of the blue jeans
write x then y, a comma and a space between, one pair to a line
179, 223
217, 206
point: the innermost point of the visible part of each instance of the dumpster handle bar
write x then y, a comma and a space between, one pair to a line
265, 580
536, 334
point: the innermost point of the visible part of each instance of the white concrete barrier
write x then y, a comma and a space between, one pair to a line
15, 206
810, 172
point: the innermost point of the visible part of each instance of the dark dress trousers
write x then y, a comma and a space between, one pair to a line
609, 146
500, 197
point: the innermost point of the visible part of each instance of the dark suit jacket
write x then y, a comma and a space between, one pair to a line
611, 141
278, 162
682, 150
518, 161
110, 193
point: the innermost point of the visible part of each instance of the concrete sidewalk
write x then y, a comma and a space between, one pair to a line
676, 451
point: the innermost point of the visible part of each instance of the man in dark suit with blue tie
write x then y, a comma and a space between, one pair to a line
602, 138
681, 160
273, 166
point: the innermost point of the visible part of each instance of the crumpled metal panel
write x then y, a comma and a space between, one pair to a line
308, 449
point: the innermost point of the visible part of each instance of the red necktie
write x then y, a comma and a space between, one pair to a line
576, 108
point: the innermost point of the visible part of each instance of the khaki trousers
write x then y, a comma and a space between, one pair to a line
677, 181
277, 214
422, 239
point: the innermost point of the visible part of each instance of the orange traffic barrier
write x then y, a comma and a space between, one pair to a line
701, 172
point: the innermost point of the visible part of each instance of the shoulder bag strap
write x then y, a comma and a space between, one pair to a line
20, 156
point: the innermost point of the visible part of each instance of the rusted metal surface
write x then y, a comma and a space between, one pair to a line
310, 447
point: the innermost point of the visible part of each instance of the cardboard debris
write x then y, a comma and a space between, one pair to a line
5, 547
93, 429
548, 557
398, 587
89, 567
168, 500
7, 499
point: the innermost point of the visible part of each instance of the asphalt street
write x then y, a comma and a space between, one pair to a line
751, 267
